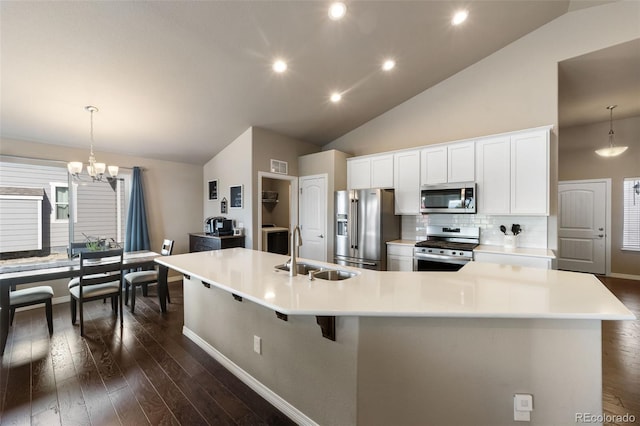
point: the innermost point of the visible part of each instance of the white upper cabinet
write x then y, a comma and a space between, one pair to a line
513, 174
453, 162
370, 172
407, 182
461, 160
493, 164
433, 168
530, 173
382, 171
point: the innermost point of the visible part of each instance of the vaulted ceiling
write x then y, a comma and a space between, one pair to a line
179, 80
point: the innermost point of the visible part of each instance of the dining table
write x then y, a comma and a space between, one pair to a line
27, 273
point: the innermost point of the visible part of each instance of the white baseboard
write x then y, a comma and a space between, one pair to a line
625, 276
289, 410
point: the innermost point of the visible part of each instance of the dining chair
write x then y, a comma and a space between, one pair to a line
144, 278
100, 277
31, 296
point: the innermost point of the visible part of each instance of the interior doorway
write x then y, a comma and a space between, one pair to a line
277, 212
584, 209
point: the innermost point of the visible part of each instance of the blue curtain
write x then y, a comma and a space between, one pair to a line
137, 237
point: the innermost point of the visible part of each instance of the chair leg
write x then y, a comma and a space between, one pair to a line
133, 298
72, 304
168, 297
126, 292
12, 313
81, 317
145, 289
49, 312
121, 311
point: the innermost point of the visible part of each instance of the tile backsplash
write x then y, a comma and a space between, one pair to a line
533, 235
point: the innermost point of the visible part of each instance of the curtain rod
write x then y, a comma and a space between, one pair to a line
18, 157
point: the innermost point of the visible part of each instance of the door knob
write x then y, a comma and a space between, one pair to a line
600, 229
601, 235
320, 236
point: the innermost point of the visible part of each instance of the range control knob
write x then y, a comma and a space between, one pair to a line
453, 253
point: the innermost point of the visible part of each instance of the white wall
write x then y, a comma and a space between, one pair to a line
515, 88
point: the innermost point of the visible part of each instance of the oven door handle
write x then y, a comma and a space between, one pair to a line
441, 258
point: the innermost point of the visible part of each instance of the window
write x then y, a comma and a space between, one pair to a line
98, 209
631, 225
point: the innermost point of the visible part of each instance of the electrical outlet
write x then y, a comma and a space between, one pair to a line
257, 345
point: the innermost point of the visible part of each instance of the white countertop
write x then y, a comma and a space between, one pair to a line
516, 251
478, 290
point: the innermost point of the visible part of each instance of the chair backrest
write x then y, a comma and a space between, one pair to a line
102, 266
167, 247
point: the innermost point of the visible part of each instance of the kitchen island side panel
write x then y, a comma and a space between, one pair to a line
458, 371
315, 375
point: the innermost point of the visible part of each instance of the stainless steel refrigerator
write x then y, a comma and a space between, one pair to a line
365, 221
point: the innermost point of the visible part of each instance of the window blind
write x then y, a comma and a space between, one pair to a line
631, 226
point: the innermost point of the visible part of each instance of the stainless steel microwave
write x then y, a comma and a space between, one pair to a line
448, 198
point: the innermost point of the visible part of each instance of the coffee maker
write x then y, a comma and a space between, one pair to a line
218, 226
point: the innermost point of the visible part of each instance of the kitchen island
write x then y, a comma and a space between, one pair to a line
410, 347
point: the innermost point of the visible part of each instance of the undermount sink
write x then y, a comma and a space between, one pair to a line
318, 272
302, 268
333, 274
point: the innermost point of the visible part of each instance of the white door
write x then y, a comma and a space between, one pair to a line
581, 226
313, 217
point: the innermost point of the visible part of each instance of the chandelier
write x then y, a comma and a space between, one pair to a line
94, 169
611, 150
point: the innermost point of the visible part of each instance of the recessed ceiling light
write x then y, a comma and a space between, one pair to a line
388, 65
336, 97
337, 10
459, 17
279, 66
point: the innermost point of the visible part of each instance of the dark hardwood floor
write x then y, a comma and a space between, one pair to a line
621, 354
148, 373
151, 374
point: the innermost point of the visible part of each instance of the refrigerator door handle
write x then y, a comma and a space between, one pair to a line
357, 223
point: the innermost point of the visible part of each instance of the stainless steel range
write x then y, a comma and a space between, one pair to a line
447, 248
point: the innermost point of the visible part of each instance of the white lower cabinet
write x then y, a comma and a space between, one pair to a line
515, 260
399, 257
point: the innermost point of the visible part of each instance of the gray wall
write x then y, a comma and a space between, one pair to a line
577, 160
173, 192
239, 163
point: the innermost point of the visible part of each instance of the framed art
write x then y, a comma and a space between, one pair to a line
213, 189
235, 195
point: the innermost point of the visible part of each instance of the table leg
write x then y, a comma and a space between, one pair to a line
163, 272
4, 317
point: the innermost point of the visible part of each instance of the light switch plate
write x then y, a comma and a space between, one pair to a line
522, 407
257, 344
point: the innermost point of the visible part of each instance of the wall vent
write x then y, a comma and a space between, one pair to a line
278, 166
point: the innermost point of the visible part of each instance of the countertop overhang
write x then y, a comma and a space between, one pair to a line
478, 290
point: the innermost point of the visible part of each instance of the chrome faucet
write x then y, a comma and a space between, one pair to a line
293, 265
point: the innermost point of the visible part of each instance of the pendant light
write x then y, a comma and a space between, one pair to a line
611, 150
94, 169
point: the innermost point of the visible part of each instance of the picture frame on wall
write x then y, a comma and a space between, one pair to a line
213, 189
235, 195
